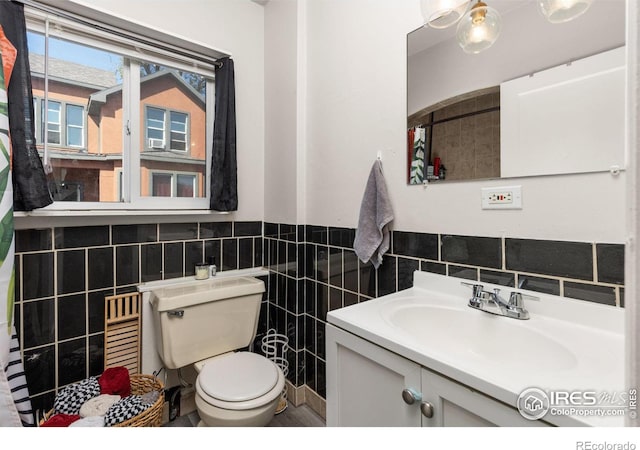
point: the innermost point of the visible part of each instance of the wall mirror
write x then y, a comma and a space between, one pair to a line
545, 99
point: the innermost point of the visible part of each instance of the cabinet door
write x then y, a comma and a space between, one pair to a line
365, 384
457, 405
568, 119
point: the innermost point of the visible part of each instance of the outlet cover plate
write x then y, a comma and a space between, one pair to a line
503, 197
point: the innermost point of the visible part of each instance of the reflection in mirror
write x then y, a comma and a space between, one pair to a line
464, 131
456, 101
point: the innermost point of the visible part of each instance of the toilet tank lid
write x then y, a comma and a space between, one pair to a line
203, 291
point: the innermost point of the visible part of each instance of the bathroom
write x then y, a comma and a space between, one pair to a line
321, 93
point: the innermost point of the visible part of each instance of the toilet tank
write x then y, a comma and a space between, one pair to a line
206, 318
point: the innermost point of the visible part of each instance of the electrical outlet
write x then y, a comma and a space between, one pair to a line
507, 197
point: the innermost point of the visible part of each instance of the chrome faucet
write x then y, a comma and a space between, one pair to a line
492, 302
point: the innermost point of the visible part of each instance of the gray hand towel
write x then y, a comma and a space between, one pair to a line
372, 236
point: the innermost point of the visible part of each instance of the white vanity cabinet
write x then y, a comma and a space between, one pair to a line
368, 385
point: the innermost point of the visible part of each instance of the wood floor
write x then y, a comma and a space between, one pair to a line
301, 416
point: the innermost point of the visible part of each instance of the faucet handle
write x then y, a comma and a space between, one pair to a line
477, 289
516, 299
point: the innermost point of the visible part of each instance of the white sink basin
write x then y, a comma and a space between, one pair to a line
477, 334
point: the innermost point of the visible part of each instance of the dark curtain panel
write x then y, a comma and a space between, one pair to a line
224, 173
30, 189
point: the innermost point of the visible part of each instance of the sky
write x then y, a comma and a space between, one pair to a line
77, 53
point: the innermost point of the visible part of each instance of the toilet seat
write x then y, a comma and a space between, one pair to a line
239, 381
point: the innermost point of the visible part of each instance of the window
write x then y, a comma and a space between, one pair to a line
155, 128
173, 185
156, 124
124, 129
53, 121
73, 118
75, 125
178, 131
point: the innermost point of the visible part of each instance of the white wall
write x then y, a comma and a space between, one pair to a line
357, 107
281, 156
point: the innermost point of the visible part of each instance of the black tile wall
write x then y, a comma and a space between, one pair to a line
40, 370
127, 265
468, 273
173, 260
33, 240
561, 259
193, 254
72, 316
475, 251
65, 273
132, 234
151, 262
610, 261
74, 237
216, 230
178, 231
229, 254
72, 361
37, 275
271, 230
495, 277
71, 271
100, 267
420, 245
433, 267
539, 284
39, 325
590, 292
247, 229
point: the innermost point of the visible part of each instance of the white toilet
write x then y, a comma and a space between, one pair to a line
204, 323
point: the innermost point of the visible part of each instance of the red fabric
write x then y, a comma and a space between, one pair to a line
115, 381
410, 138
60, 420
9, 54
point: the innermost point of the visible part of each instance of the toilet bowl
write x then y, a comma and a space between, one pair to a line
208, 324
237, 389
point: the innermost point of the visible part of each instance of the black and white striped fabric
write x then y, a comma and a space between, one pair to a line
18, 382
70, 399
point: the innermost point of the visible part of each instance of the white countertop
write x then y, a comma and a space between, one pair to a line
521, 353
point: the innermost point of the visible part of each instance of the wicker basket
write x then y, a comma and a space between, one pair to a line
150, 417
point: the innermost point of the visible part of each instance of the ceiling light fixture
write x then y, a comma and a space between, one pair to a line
479, 29
443, 13
480, 25
559, 11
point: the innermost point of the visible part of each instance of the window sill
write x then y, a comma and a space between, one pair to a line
116, 212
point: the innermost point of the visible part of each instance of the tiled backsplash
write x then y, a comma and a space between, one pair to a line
63, 275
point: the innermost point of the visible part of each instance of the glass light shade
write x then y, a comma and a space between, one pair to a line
479, 28
558, 11
443, 13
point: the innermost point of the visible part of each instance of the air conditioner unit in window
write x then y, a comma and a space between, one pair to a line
156, 143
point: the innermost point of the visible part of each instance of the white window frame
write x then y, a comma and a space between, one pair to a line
132, 127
